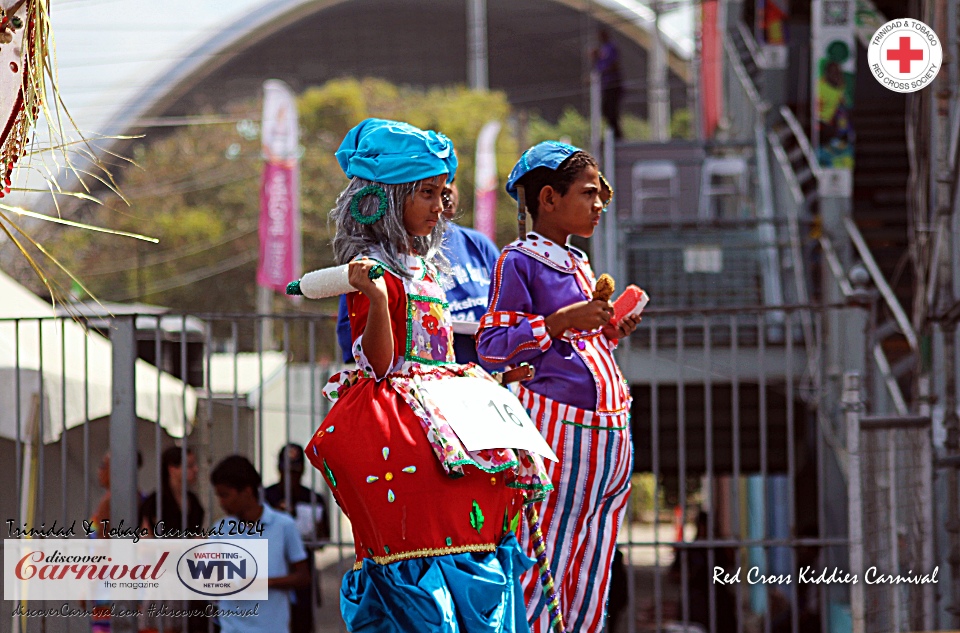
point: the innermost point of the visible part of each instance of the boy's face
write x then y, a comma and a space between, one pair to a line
422, 210
451, 200
234, 501
577, 212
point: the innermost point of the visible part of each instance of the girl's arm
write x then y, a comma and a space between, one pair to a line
377, 338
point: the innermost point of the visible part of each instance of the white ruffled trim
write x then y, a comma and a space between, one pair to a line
363, 363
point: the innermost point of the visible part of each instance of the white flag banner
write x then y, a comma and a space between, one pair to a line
485, 181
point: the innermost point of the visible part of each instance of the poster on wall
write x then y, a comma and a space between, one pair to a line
772, 32
834, 64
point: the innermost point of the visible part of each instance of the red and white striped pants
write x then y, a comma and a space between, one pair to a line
580, 519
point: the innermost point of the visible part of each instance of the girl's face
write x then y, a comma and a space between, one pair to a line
422, 210
577, 212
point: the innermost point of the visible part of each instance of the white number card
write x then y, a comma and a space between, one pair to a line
486, 415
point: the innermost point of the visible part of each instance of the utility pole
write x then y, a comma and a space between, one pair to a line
477, 60
944, 299
658, 89
594, 95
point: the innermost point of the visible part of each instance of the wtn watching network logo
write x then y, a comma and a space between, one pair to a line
217, 569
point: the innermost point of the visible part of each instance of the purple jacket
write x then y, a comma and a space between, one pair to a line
527, 286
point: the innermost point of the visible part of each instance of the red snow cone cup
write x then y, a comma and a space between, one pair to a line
631, 302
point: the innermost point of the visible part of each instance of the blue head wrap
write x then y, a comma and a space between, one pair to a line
547, 154
393, 153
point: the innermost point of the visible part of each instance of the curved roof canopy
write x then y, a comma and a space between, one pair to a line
165, 58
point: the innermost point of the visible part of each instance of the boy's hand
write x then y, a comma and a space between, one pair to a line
623, 329
358, 274
585, 315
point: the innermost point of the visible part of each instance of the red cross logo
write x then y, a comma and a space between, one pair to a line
905, 55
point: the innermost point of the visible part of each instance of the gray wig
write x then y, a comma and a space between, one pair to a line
386, 237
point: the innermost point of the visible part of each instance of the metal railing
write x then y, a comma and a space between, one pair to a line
878, 334
744, 107
891, 518
724, 425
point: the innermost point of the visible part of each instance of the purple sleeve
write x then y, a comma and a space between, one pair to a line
510, 333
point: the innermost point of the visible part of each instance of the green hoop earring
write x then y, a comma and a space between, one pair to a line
375, 190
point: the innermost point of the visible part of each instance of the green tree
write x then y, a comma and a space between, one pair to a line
197, 190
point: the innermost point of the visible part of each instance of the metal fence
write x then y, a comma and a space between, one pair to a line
895, 534
734, 470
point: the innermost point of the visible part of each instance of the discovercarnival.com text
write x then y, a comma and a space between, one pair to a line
152, 610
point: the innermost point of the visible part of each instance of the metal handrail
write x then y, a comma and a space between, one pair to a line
881, 283
761, 106
833, 261
784, 161
793, 224
755, 53
880, 358
791, 120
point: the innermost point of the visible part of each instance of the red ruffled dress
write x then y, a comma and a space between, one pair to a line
433, 523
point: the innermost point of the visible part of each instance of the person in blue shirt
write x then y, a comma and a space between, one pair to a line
236, 483
472, 256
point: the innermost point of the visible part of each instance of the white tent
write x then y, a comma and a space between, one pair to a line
46, 357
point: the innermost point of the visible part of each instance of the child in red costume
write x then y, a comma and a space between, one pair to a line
431, 520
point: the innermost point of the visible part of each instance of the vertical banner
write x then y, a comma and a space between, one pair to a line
485, 181
711, 65
280, 245
772, 29
833, 65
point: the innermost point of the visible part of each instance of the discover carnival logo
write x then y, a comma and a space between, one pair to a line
905, 55
121, 569
217, 569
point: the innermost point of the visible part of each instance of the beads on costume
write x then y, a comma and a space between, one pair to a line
546, 576
329, 473
388, 476
375, 190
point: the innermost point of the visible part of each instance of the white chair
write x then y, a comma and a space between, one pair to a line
723, 180
655, 180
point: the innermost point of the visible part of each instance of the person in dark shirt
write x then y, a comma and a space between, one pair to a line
172, 499
606, 60
170, 518
309, 510
472, 259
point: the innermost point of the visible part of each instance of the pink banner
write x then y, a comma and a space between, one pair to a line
278, 226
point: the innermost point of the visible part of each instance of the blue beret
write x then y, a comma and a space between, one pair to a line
393, 153
547, 154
